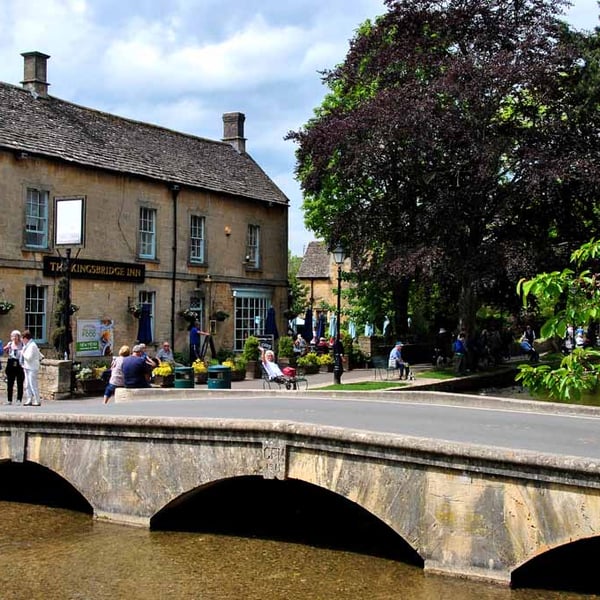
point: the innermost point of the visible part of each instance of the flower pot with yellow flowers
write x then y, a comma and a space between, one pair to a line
200, 371
163, 375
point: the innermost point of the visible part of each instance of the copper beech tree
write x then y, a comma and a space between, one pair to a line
451, 148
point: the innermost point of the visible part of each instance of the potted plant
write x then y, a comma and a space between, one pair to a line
238, 368
309, 363
164, 374
200, 371
325, 362
5, 307
251, 354
285, 350
221, 315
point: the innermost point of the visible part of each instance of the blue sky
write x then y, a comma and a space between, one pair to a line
183, 63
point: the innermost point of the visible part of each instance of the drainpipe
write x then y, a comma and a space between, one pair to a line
174, 193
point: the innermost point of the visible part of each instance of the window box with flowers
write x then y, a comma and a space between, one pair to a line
5, 307
163, 375
200, 371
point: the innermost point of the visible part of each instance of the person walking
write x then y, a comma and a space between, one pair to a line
117, 379
14, 370
30, 361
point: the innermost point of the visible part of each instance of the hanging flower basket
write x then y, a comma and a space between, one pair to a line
221, 315
187, 314
135, 310
5, 307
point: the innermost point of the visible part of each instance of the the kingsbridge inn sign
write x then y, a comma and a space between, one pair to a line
95, 269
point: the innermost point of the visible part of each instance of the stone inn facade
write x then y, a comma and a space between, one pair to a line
139, 216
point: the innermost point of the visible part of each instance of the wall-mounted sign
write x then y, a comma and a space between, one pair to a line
69, 226
94, 337
95, 269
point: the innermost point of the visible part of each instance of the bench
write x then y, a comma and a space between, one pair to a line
382, 369
288, 383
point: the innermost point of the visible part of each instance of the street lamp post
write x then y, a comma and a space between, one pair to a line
338, 368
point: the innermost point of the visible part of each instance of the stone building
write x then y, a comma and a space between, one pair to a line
140, 215
319, 271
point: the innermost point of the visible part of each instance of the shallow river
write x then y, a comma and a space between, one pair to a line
53, 553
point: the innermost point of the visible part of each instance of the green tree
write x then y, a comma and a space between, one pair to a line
445, 150
575, 296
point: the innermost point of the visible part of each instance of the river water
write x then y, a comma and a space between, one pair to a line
54, 553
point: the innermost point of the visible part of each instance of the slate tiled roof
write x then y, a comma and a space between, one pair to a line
316, 262
57, 129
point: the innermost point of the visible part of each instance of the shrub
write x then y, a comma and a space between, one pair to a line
251, 348
325, 359
286, 347
308, 360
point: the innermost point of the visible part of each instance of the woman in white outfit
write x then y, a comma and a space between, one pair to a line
30, 361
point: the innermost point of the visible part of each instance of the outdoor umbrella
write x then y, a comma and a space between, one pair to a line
333, 326
271, 324
308, 326
320, 327
144, 335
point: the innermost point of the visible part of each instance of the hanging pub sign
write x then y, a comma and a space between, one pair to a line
95, 269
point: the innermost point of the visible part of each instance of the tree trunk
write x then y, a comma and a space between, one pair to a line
467, 307
401, 293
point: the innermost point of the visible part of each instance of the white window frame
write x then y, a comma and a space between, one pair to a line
250, 306
35, 311
197, 239
147, 233
253, 247
37, 218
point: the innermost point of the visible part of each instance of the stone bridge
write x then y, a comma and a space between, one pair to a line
465, 510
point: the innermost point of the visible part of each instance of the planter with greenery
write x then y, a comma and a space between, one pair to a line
238, 368
285, 351
309, 363
220, 315
251, 355
325, 363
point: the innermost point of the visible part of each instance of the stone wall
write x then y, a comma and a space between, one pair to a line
55, 379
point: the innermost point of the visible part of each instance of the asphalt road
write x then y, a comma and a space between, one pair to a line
527, 427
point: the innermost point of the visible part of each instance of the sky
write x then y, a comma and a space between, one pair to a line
181, 64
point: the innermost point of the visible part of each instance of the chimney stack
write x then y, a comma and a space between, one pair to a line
233, 130
34, 73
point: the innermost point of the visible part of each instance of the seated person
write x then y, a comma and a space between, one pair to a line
300, 345
165, 354
274, 373
322, 346
137, 368
396, 361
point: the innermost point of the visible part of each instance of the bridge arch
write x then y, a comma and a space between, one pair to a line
36, 484
572, 566
288, 509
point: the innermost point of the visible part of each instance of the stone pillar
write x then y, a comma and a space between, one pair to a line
55, 379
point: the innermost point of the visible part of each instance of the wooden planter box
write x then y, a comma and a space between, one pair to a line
91, 386
165, 381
